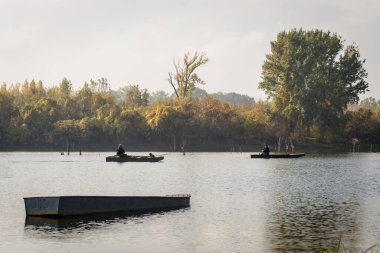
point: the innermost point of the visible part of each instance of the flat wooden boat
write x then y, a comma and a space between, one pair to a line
129, 158
280, 155
87, 205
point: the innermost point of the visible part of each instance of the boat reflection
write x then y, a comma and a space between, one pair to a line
88, 222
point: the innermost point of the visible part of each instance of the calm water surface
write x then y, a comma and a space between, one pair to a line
238, 204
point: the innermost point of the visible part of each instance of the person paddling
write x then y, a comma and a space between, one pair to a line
120, 151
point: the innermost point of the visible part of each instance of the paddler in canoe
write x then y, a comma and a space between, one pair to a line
265, 151
120, 151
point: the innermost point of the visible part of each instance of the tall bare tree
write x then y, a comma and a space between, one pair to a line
184, 79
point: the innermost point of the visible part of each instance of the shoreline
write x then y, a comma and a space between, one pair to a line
309, 149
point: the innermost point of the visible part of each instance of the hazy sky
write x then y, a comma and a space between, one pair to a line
135, 42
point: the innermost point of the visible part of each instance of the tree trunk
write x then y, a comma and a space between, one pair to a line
174, 143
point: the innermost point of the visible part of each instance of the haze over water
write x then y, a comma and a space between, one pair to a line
238, 204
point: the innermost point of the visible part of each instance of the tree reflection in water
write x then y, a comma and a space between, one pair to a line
310, 226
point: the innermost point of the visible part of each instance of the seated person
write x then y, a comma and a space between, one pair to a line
151, 155
265, 151
120, 151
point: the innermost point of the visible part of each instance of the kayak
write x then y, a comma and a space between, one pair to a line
283, 155
130, 158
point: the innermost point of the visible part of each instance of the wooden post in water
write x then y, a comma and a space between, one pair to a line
68, 149
174, 143
183, 143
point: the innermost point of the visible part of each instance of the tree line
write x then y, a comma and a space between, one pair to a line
34, 116
313, 84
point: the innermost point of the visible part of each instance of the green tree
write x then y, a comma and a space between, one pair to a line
83, 101
312, 78
66, 131
65, 87
364, 125
101, 85
39, 119
31, 91
168, 120
131, 124
135, 97
63, 96
217, 118
256, 121
184, 79
7, 111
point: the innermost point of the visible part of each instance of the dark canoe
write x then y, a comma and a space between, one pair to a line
130, 158
278, 155
58, 206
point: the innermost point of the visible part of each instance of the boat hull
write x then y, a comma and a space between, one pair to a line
278, 156
133, 159
86, 205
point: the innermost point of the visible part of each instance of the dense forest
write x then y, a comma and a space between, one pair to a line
35, 117
313, 84
95, 117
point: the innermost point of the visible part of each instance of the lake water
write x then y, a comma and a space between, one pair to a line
238, 204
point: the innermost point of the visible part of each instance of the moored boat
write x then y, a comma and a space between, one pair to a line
130, 158
86, 205
279, 155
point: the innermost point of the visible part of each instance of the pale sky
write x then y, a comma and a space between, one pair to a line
135, 42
